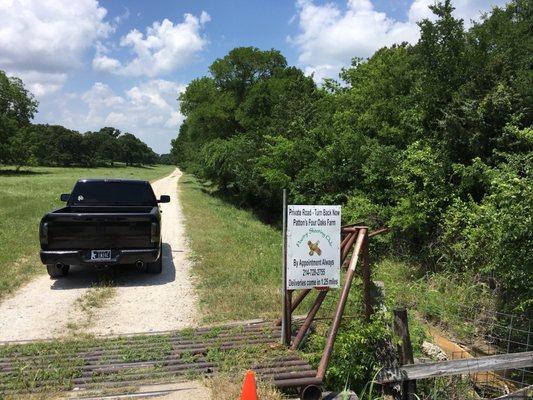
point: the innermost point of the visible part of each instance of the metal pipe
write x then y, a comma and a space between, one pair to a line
296, 302
288, 318
296, 382
354, 224
309, 319
353, 228
285, 313
345, 240
371, 234
310, 373
367, 281
378, 231
295, 370
347, 247
311, 392
322, 366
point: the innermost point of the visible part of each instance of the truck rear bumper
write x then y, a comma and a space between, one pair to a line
83, 257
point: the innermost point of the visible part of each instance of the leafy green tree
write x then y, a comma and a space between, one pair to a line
442, 61
110, 131
133, 151
19, 148
165, 159
17, 107
16, 102
8, 129
243, 67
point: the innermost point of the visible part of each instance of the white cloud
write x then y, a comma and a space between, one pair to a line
176, 119
103, 63
41, 83
468, 10
329, 37
101, 96
44, 40
320, 72
164, 48
115, 119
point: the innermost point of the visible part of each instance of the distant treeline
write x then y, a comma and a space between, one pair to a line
23, 143
433, 140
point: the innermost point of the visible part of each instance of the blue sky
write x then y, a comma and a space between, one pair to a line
123, 63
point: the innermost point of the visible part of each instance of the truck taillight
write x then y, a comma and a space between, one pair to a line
43, 233
154, 236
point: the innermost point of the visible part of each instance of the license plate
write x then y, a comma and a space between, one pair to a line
100, 255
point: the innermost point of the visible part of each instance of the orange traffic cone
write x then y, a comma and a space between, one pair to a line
249, 387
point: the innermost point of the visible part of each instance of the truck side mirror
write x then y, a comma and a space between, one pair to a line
164, 199
65, 197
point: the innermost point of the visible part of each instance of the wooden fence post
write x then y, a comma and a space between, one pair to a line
401, 328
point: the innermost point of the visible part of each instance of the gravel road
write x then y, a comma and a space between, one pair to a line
139, 302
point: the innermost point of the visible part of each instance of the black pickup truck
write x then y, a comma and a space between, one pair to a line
106, 222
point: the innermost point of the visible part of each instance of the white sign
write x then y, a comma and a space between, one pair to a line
313, 246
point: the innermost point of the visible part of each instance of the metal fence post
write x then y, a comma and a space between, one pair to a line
367, 280
286, 296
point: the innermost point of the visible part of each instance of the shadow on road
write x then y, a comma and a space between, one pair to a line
123, 275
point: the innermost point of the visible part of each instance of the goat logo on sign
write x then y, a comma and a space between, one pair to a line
313, 248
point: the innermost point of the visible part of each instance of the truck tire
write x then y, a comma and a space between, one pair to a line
57, 272
156, 267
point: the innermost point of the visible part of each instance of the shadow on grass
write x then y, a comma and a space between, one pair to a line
23, 172
116, 166
140, 166
14, 172
271, 216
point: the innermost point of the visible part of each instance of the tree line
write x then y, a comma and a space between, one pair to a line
23, 143
432, 139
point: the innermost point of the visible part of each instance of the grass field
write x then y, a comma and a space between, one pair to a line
25, 196
237, 257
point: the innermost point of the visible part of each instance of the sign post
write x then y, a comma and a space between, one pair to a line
285, 307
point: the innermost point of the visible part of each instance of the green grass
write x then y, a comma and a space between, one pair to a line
24, 198
96, 297
237, 258
440, 298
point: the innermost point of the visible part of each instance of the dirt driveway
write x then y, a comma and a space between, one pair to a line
133, 302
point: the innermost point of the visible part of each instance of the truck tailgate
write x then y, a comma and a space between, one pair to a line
99, 231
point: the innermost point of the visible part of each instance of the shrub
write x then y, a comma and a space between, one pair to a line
354, 361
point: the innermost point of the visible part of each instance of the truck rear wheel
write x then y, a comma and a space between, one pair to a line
56, 272
156, 267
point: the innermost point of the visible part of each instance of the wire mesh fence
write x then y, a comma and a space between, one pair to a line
489, 332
